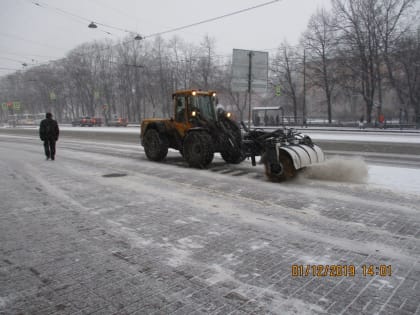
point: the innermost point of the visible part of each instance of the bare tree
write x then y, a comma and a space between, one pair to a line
285, 68
105, 95
130, 75
392, 24
165, 75
369, 32
184, 58
407, 63
205, 67
81, 67
358, 46
320, 41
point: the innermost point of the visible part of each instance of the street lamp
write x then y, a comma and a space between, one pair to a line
138, 37
92, 25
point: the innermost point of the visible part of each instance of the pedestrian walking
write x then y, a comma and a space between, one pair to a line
48, 132
362, 123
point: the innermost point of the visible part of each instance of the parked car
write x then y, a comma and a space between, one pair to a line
96, 121
118, 122
87, 121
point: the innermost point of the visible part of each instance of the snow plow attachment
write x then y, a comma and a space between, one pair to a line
302, 155
283, 151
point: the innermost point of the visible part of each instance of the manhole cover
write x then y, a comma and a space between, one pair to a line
114, 175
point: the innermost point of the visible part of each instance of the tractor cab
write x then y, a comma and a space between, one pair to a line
193, 105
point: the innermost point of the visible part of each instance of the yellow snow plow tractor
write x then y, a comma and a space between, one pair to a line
199, 128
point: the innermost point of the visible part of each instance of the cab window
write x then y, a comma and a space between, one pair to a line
203, 104
180, 108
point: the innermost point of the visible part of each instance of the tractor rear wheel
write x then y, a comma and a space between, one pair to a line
198, 149
285, 172
155, 145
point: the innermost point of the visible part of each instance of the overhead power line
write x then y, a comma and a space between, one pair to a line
179, 28
8, 69
43, 5
15, 37
30, 56
79, 17
11, 59
212, 19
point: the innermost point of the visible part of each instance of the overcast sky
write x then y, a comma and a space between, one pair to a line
31, 33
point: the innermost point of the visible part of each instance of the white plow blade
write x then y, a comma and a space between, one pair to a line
303, 155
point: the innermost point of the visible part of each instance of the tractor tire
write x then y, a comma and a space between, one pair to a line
233, 143
155, 145
198, 149
232, 156
287, 173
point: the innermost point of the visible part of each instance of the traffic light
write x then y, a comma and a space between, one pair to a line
278, 90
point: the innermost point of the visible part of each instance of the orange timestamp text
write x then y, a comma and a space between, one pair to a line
324, 270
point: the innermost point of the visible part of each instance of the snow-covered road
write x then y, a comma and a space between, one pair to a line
104, 229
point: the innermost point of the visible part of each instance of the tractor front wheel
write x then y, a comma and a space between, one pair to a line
198, 149
155, 145
232, 144
233, 155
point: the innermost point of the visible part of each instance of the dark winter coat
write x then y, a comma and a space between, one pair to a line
48, 130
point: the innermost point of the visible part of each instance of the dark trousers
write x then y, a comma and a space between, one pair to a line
49, 147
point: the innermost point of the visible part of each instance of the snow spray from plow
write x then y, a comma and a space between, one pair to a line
340, 169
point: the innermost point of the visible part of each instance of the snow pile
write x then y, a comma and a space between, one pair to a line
406, 180
339, 169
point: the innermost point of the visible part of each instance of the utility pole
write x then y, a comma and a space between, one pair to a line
304, 89
249, 87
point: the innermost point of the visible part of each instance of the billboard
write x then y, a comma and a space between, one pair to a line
242, 62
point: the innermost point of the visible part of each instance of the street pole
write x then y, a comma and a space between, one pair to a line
304, 88
249, 88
